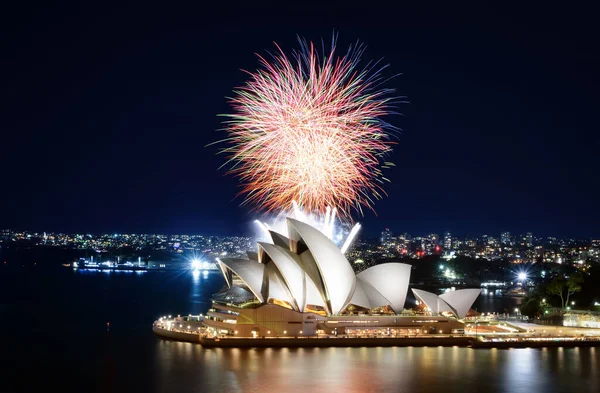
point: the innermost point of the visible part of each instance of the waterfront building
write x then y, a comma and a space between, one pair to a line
301, 284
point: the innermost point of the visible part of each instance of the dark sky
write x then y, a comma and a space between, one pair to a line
105, 114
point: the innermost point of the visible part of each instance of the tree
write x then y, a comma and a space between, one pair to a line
557, 287
562, 287
531, 306
573, 285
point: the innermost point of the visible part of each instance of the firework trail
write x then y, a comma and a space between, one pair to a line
308, 128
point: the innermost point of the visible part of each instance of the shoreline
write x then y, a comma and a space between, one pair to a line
314, 342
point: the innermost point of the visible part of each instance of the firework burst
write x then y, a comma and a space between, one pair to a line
308, 128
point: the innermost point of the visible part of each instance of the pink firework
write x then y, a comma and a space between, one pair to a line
309, 129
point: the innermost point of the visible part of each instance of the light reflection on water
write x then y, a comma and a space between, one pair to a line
429, 369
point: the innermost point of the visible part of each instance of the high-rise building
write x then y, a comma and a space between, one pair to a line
447, 240
505, 238
386, 236
404, 241
529, 239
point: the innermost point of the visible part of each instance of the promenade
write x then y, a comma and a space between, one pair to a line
531, 336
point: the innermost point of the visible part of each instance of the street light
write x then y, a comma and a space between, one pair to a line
522, 276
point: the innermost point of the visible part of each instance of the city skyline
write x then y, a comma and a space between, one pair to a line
513, 248
107, 128
254, 231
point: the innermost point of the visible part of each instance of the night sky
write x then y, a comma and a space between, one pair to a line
105, 114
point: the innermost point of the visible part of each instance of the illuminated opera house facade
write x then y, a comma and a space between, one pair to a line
303, 285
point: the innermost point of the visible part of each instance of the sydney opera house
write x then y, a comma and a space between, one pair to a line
301, 284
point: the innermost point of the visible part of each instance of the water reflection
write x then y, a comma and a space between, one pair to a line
195, 293
375, 369
497, 304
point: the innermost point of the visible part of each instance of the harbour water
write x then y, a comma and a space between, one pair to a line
90, 332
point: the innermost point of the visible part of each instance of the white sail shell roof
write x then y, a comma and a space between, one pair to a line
430, 299
390, 280
337, 274
435, 303
279, 240
276, 287
360, 297
461, 300
312, 274
250, 272
376, 299
313, 296
458, 302
288, 264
